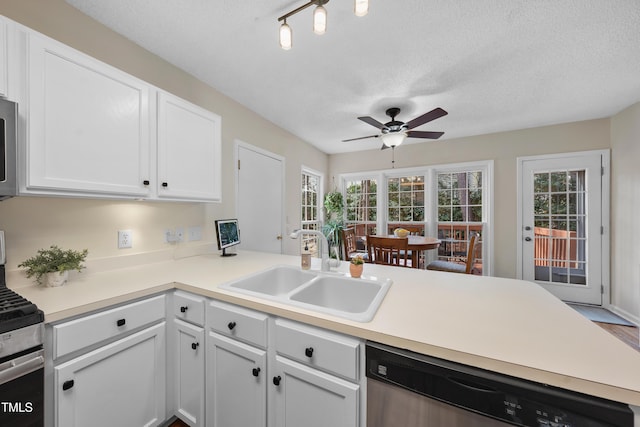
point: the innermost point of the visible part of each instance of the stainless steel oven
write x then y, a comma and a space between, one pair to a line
413, 390
21, 357
8, 149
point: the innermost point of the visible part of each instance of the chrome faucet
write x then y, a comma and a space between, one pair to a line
326, 261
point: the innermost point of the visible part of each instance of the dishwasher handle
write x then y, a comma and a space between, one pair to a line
20, 366
472, 385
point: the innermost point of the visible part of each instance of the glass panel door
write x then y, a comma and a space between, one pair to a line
562, 241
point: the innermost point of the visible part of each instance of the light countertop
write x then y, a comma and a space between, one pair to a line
504, 325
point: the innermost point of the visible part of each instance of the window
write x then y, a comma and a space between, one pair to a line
405, 200
460, 214
361, 206
310, 208
447, 201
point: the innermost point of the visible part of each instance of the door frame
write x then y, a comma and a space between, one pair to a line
237, 144
605, 213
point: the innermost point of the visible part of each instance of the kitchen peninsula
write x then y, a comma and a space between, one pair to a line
504, 325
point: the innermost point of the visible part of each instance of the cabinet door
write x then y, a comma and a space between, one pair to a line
306, 397
189, 150
120, 384
4, 63
88, 124
236, 383
189, 373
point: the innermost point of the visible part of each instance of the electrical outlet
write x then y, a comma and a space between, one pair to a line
125, 239
195, 233
179, 234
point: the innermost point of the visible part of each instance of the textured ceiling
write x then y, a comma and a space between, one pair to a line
494, 65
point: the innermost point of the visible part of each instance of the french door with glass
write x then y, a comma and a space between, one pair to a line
562, 225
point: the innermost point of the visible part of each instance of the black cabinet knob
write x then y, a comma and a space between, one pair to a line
164, 184
195, 345
255, 372
308, 351
145, 182
231, 325
121, 322
67, 384
276, 380
183, 309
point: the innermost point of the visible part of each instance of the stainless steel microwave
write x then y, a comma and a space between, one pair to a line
8, 149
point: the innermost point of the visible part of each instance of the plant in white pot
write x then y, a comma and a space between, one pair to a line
51, 266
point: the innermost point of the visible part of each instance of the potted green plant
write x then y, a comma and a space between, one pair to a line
51, 266
356, 266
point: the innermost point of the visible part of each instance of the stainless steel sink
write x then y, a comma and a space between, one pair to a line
331, 293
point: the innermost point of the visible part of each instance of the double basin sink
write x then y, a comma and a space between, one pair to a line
326, 292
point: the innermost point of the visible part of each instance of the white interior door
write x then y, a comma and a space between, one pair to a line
562, 225
260, 199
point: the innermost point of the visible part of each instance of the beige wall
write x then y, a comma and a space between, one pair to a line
31, 223
503, 148
625, 201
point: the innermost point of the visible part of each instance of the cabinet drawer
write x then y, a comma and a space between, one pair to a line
188, 307
319, 348
76, 334
238, 322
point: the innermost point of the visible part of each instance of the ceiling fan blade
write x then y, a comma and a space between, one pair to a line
371, 121
362, 137
424, 134
436, 113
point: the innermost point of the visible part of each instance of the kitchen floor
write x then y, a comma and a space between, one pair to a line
628, 334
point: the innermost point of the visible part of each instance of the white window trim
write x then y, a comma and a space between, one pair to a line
309, 171
430, 172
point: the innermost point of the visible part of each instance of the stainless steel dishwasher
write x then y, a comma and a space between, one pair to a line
413, 390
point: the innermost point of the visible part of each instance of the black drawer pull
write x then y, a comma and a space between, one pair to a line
195, 345
121, 322
276, 380
255, 372
164, 184
145, 182
183, 309
308, 351
67, 384
231, 325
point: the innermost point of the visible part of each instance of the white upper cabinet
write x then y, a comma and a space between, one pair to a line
4, 58
189, 149
88, 124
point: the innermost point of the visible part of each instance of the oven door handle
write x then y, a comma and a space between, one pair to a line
13, 369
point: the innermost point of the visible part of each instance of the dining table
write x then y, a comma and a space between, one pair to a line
417, 244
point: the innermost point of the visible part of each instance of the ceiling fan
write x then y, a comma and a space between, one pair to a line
393, 133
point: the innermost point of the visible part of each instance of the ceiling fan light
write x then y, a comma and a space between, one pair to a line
361, 7
393, 139
286, 37
319, 20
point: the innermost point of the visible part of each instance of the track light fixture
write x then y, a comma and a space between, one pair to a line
360, 8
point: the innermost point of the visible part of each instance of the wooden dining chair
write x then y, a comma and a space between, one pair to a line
388, 251
350, 246
456, 267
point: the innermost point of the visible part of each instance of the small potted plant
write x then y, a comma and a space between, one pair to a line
356, 266
51, 266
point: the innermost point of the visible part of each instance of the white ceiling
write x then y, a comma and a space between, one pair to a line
494, 65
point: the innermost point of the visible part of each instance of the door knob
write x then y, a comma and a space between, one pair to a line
195, 345
308, 351
279, 237
276, 380
255, 372
231, 325
183, 309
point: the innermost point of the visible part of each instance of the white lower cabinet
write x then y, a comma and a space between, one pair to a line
307, 397
265, 371
188, 385
119, 384
236, 383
